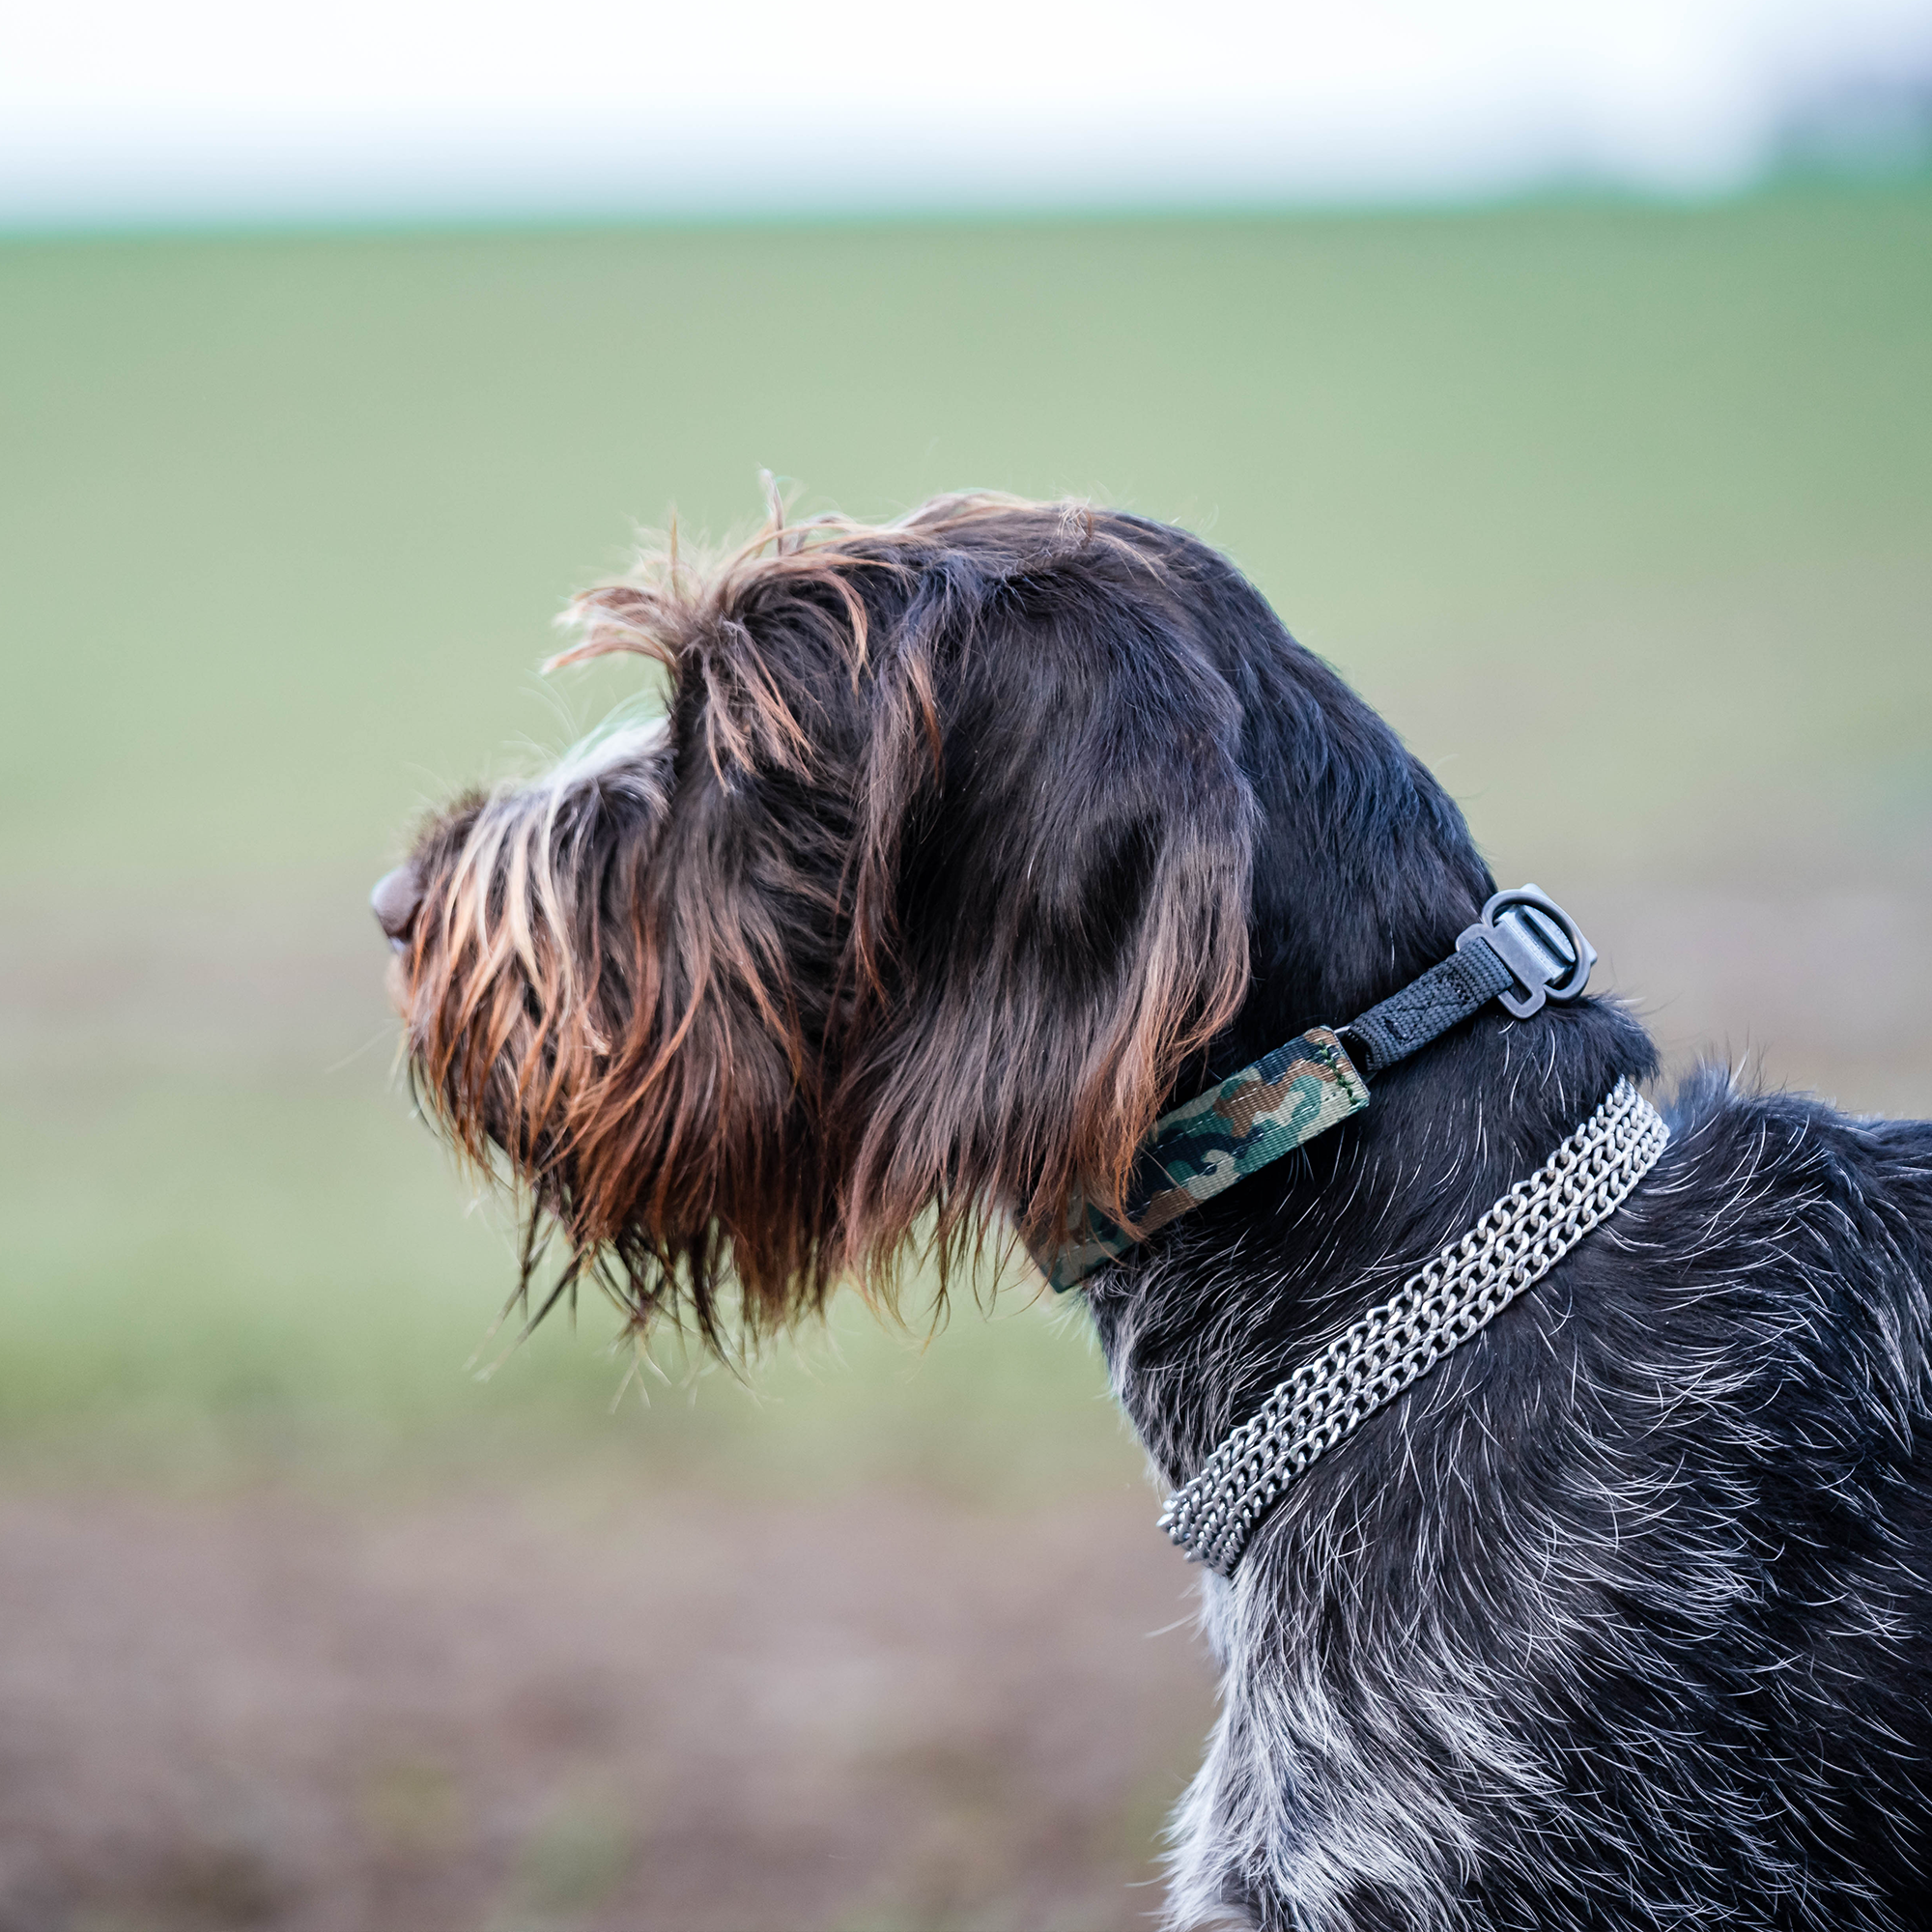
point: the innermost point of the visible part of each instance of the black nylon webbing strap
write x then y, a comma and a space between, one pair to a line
1472, 976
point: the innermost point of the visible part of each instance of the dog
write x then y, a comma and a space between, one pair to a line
966, 849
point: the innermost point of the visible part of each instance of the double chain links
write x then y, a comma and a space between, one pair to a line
1453, 1298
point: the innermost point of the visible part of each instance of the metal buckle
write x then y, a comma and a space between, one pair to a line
1539, 942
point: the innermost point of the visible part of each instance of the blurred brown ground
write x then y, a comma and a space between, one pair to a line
491, 1710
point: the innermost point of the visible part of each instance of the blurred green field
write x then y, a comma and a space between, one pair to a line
1620, 512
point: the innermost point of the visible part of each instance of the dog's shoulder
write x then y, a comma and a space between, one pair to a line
1778, 1262
1759, 1159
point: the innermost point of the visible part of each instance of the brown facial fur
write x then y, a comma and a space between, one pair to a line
934, 876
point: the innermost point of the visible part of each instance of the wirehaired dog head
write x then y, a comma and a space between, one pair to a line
909, 908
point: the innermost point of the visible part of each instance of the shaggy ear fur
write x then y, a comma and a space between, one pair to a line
937, 877
1069, 879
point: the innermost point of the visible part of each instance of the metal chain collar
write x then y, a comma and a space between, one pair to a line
1456, 1296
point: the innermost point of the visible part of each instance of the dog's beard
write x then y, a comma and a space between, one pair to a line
520, 981
620, 1036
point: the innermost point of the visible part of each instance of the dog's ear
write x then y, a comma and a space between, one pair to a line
1058, 811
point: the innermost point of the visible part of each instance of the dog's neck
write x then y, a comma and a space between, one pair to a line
1201, 1322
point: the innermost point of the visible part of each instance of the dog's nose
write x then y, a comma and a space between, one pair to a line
394, 902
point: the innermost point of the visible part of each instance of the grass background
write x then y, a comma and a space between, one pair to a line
1621, 513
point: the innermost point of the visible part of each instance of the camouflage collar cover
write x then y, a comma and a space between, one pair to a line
1525, 950
1257, 1114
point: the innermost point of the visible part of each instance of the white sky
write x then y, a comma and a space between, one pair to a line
249, 109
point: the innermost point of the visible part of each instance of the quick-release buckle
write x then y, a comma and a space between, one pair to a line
1539, 942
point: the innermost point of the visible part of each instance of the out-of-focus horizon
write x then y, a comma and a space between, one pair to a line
114, 115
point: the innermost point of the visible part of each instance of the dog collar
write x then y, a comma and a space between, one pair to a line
1442, 1305
1523, 951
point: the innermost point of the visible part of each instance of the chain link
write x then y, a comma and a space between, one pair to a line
1456, 1296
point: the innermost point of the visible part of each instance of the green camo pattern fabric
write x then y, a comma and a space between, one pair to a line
1208, 1144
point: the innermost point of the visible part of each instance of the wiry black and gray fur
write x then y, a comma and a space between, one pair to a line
1620, 1618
